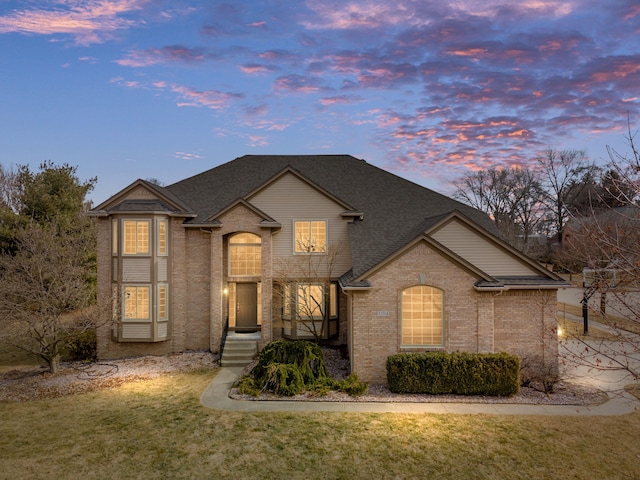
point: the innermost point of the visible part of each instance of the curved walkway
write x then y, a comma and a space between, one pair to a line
216, 396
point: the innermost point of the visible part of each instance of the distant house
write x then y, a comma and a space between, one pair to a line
314, 245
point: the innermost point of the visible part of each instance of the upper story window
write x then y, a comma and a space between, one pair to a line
422, 317
136, 237
163, 234
310, 236
245, 255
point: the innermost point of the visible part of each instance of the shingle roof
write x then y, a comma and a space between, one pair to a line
395, 209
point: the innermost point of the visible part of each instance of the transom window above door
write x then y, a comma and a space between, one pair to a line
245, 255
310, 236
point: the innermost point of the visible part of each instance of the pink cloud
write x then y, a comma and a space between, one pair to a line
339, 99
188, 156
213, 99
89, 21
298, 84
169, 54
254, 68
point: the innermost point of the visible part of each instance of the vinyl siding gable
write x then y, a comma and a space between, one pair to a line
480, 251
289, 198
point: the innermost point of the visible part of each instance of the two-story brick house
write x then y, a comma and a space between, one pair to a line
283, 245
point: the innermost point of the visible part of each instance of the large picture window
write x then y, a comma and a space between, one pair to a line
308, 301
422, 316
136, 237
310, 236
245, 255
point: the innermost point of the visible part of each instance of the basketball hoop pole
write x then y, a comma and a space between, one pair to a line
585, 309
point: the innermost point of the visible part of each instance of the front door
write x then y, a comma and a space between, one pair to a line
246, 307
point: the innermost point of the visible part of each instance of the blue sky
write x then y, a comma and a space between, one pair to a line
429, 90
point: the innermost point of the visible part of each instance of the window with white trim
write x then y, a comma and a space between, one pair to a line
310, 236
422, 317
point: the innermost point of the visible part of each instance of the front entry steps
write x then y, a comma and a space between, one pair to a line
239, 349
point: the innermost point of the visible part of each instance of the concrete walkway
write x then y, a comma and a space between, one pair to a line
216, 396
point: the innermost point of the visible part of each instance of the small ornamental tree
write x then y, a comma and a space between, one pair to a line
47, 293
47, 260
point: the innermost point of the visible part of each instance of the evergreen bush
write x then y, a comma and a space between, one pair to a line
292, 367
456, 373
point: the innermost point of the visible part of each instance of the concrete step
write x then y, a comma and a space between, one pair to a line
238, 352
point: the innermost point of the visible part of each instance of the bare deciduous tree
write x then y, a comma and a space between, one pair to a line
610, 240
304, 284
512, 197
561, 172
46, 296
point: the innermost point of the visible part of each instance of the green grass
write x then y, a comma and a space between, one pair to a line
158, 429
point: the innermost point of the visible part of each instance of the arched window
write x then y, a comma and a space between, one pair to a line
245, 255
422, 317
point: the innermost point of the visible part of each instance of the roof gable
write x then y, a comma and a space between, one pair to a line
289, 173
142, 196
264, 218
487, 252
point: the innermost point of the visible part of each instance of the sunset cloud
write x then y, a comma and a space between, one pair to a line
169, 54
214, 99
88, 21
420, 85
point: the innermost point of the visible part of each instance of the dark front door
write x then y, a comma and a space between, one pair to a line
246, 307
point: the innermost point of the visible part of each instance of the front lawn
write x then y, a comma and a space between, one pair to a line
158, 429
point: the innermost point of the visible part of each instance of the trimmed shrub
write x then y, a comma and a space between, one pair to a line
456, 373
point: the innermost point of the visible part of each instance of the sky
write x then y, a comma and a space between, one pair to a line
428, 90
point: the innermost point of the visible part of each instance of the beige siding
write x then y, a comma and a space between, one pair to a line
290, 198
136, 269
480, 252
163, 329
162, 275
141, 332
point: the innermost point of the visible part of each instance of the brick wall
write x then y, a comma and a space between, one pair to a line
519, 326
193, 288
